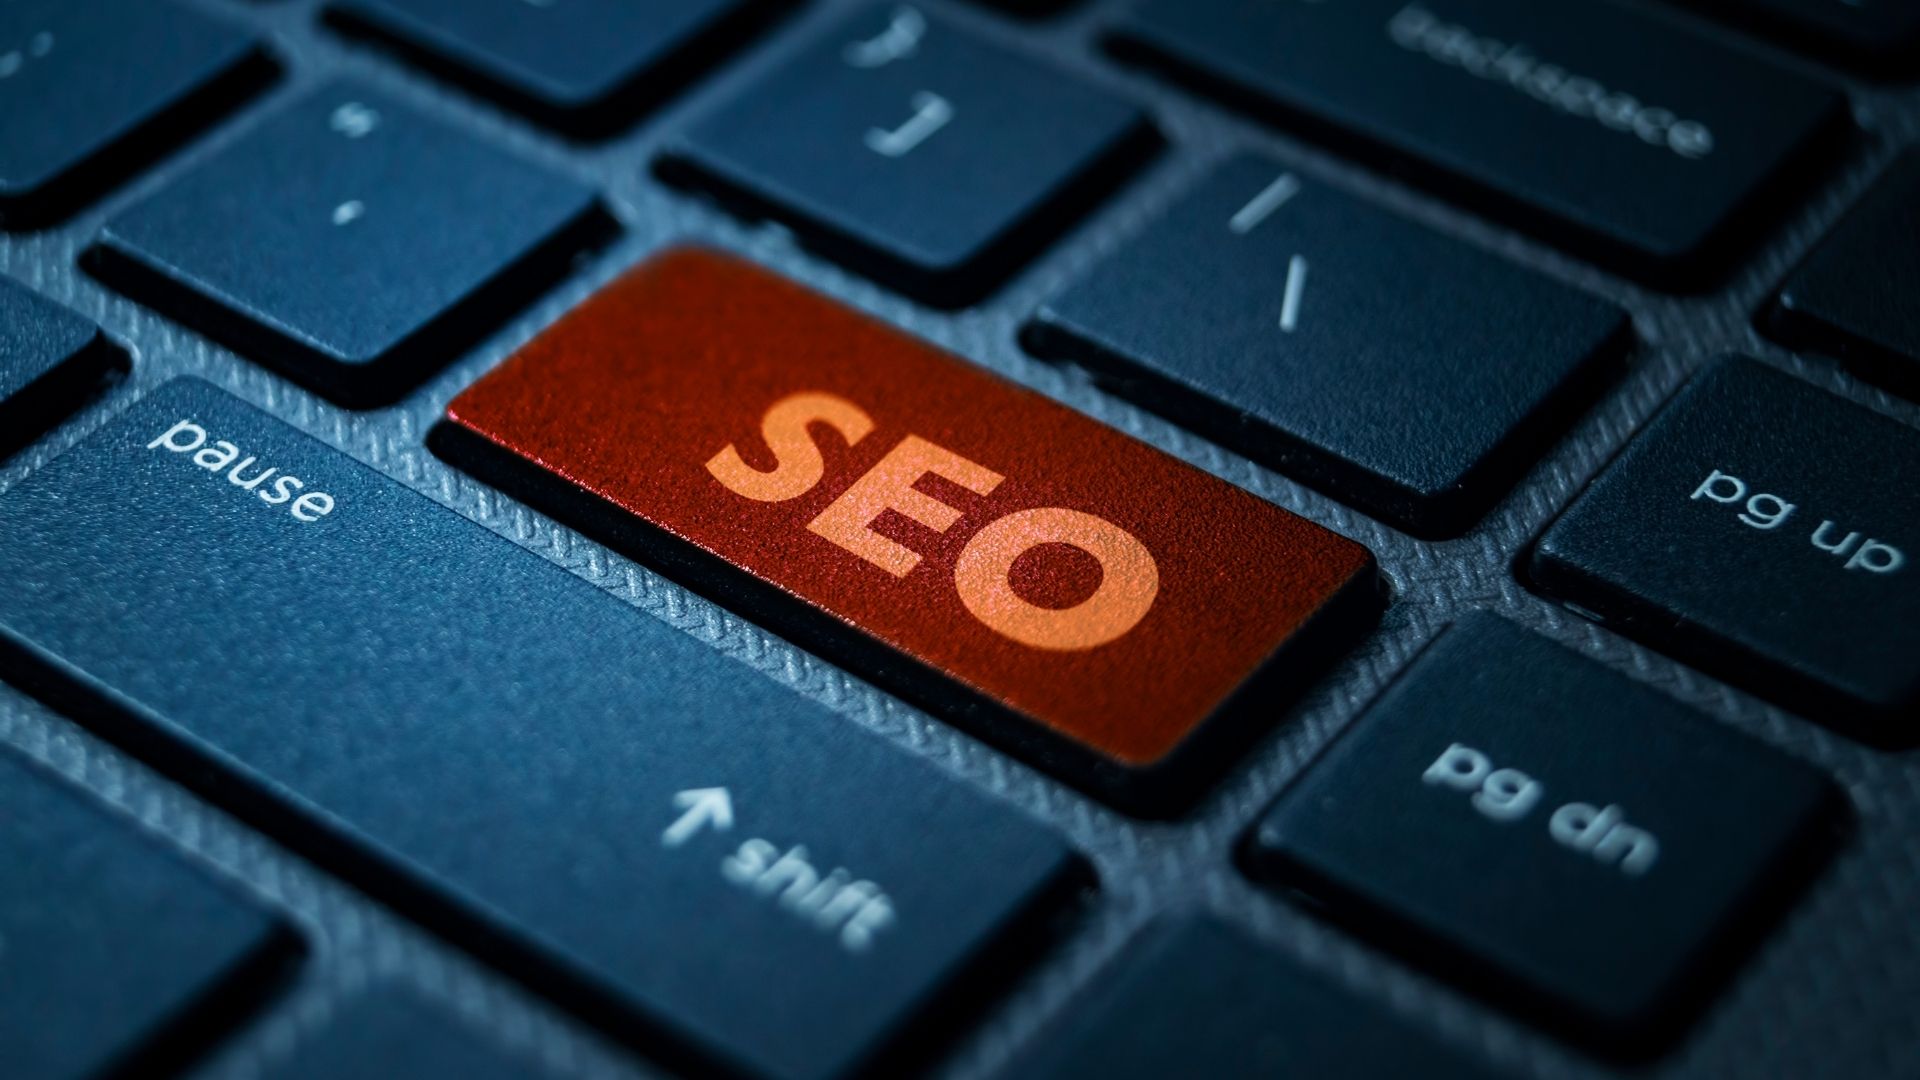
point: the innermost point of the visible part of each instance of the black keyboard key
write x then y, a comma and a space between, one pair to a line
1854, 295
586, 67
114, 954
1527, 820
388, 1031
1881, 36
1401, 370
350, 242
1651, 147
90, 90
596, 801
915, 153
1197, 998
1768, 531
51, 360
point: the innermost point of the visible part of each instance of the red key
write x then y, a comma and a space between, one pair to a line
1005, 560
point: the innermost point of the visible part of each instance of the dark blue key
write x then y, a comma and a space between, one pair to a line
1400, 370
114, 954
1649, 146
903, 146
603, 805
586, 67
1768, 531
1534, 824
1197, 998
91, 90
51, 360
389, 1031
1877, 36
1853, 297
351, 243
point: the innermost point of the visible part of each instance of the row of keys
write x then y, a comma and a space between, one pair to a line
875, 487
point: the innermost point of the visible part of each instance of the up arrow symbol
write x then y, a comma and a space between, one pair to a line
699, 807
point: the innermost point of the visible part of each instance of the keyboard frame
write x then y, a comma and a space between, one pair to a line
1827, 993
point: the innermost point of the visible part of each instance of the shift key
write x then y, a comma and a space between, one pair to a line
688, 853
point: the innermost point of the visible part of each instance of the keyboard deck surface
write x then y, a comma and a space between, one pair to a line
1829, 991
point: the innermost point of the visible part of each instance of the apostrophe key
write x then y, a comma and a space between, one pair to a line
51, 360
600, 804
389, 1031
116, 957
1198, 998
350, 242
1853, 296
1768, 531
1650, 146
1403, 371
91, 90
1122, 617
1557, 834
585, 67
916, 153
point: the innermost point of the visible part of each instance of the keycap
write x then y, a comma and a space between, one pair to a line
115, 956
1078, 596
390, 1031
1852, 296
586, 67
350, 243
1535, 825
1196, 997
1623, 133
607, 808
1400, 370
1758, 529
92, 90
1878, 36
51, 360
915, 153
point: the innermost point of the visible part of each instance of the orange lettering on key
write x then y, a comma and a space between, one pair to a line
1129, 579
889, 486
797, 461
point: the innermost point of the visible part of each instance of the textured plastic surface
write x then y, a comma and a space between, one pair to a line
86, 984
1633, 848
1828, 992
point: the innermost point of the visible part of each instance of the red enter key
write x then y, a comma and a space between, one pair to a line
996, 556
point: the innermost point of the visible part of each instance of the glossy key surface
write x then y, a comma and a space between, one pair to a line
1195, 997
916, 151
1853, 295
594, 801
1073, 591
1768, 531
1531, 823
350, 242
583, 66
1401, 370
1646, 143
51, 359
114, 953
91, 90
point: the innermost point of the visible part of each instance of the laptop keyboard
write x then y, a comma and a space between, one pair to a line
1168, 538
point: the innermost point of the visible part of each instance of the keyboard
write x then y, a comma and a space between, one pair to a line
982, 538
